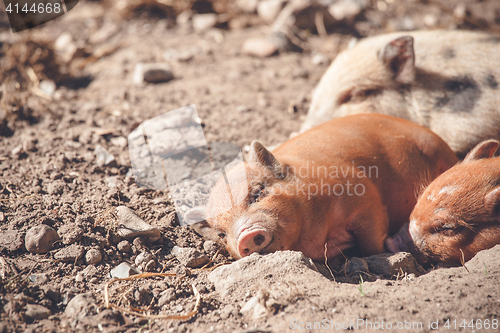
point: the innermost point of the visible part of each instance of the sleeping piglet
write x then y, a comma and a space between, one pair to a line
349, 183
458, 214
448, 81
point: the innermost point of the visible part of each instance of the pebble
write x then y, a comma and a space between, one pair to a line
242, 108
123, 270
268, 10
167, 296
143, 258
17, 151
259, 47
29, 144
11, 240
202, 22
119, 141
70, 253
65, 47
79, 277
152, 73
347, 9
37, 312
81, 306
319, 59
247, 6
131, 226
55, 188
209, 246
190, 257
93, 257
70, 233
104, 158
48, 86
39, 239
124, 246
356, 265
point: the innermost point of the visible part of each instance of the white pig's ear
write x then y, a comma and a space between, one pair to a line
399, 56
485, 149
492, 201
259, 154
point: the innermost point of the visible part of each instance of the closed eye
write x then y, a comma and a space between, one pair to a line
257, 193
356, 95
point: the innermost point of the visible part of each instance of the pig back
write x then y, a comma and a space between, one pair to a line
398, 156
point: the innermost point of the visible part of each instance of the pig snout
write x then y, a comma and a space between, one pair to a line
253, 240
403, 241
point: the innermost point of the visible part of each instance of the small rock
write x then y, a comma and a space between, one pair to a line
210, 246
268, 10
131, 226
17, 151
38, 278
319, 59
48, 86
347, 9
190, 257
39, 239
166, 297
242, 108
143, 258
70, 233
202, 22
70, 253
56, 187
29, 144
11, 240
37, 312
356, 265
392, 264
79, 277
259, 47
80, 306
300, 73
123, 270
119, 141
104, 158
184, 17
255, 307
93, 257
247, 6
65, 47
152, 73
124, 246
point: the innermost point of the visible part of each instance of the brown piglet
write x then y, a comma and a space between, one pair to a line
347, 184
458, 214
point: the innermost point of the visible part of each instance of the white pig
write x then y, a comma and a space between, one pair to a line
447, 81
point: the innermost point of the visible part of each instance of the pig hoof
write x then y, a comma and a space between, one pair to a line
253, 241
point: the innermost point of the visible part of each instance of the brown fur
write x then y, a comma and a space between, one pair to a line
456, 96
276, 205
463, 218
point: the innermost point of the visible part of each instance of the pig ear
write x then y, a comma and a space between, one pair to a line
259, 154
399, 57
492, 201
206, 231
485, 149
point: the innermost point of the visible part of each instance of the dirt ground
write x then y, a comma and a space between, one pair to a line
50, 174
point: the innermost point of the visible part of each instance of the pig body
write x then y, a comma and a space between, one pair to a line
349, 183
458, 214
447, 81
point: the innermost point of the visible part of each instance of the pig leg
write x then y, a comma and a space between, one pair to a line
370, 223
